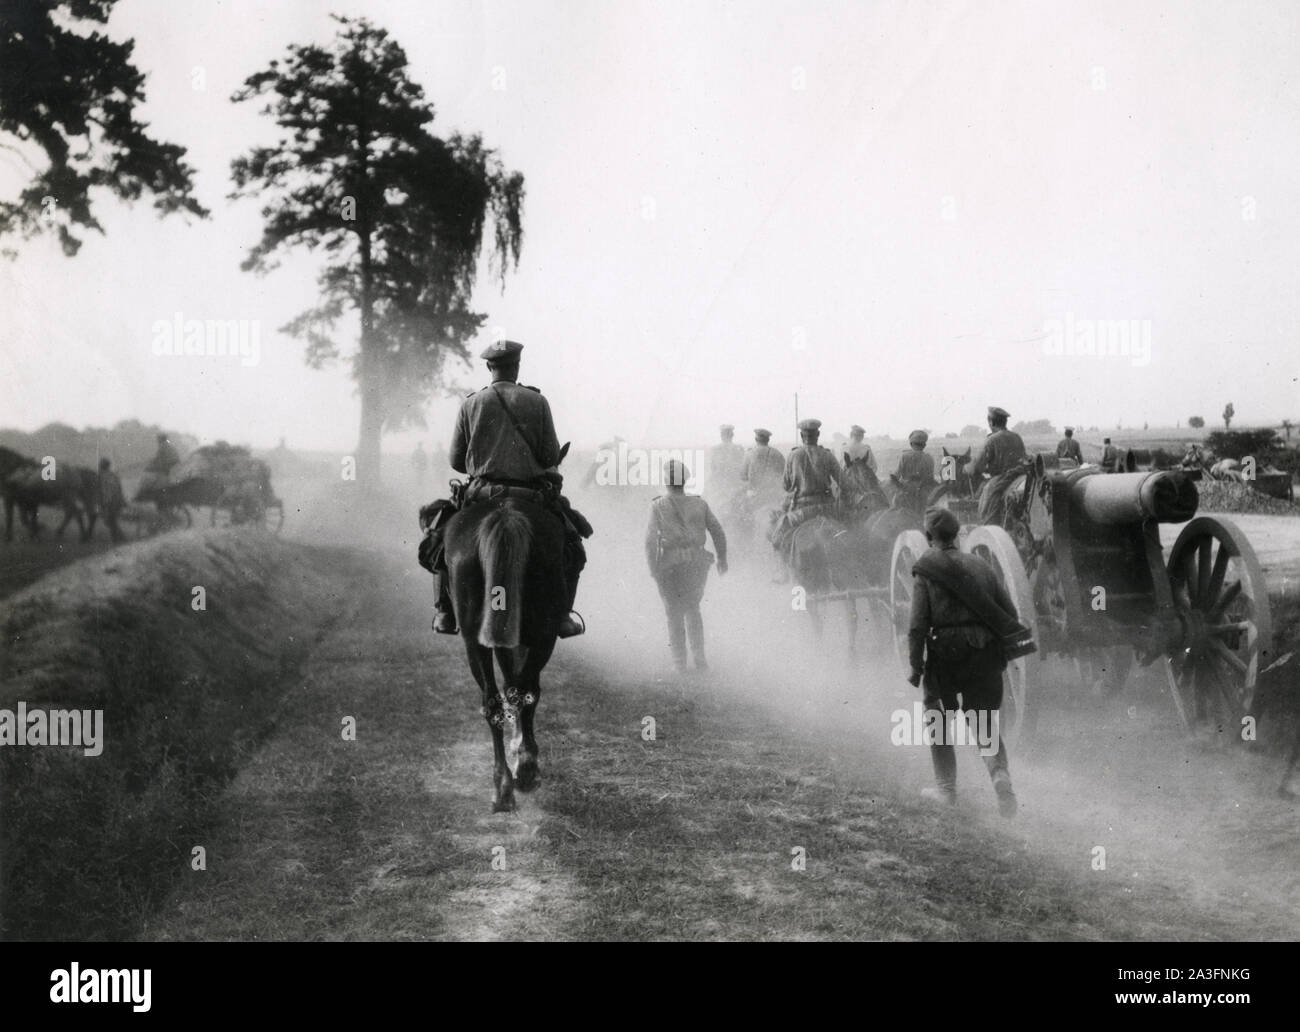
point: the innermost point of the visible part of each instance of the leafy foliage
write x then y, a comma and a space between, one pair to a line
399, 214
1196, 422
71, 98
1236, 444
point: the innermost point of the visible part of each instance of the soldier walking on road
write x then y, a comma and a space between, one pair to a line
110, 498
679, 562
963, 627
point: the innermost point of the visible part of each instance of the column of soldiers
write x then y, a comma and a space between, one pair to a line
505, 437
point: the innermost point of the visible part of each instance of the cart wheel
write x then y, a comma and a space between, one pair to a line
1227, 626
994, 546
909, 546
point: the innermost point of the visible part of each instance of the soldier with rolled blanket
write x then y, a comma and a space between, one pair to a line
916, 465
679, 562
1001, 461
962, 632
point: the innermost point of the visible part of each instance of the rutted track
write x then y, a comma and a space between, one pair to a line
691, 835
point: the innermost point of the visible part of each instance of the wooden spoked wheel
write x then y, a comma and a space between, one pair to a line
994, 546
909, 546
1222, 602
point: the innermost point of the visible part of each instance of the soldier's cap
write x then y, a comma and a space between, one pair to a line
1106, 441
765, 434
810, 425
676, 473
727, 428
941, 523
998, 413
855, 429
1069, 430
918, 437
501, 351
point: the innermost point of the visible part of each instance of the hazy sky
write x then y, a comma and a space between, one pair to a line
881, 206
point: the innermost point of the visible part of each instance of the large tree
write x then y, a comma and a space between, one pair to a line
67, 114
398, 213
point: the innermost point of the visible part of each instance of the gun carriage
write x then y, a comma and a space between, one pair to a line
1080, 554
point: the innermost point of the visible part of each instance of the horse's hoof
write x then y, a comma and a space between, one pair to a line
528, 776
504, 806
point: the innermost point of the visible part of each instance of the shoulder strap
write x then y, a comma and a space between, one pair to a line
518, 429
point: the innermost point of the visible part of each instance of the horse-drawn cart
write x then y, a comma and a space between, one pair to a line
1081, 556
227, 480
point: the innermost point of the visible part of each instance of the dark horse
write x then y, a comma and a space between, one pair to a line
828, 557
505, 562
24, 486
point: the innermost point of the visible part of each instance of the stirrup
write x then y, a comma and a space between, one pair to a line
573, 617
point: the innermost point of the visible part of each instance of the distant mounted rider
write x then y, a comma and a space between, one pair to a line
857, 448
763, 470
1068, 448
811, 480
725, 461
1001, 460
165, 459
504, 439
916, 465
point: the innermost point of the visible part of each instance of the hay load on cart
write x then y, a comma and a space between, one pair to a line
238, 484
222, 477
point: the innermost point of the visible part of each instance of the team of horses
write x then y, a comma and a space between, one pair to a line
26, 485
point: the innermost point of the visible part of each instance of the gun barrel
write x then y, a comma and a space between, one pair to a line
1164, 496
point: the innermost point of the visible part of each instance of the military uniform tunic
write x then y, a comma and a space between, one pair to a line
1068, 448
1002, 452
810, 470
486, 444
725, 461
763, 469
916, 464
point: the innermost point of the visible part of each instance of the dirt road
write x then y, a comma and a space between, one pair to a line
768, 805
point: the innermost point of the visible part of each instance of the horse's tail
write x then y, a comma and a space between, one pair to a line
505, 538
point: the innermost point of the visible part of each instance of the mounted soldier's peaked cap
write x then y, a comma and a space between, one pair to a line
1069, 429
502, 351
941, 522
855, 429
998, 413
918, 437
813, 425
765, 434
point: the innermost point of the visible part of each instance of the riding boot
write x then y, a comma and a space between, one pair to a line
444, 616
575, 559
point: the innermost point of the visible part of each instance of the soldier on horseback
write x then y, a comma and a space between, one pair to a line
1001, 460
812, 477
504, 441
857, 449
916, 466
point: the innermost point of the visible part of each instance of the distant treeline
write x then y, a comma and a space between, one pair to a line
130, 444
